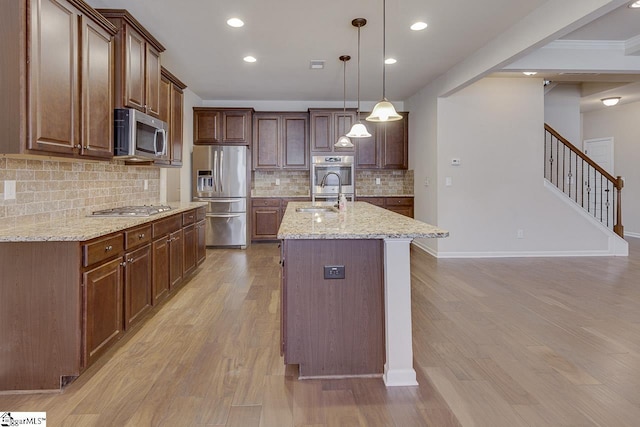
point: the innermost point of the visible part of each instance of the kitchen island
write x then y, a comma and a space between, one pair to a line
346, 289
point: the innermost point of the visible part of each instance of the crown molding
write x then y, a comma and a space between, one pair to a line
587, 44
632, 46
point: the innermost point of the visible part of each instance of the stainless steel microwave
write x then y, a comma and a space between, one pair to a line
138, 136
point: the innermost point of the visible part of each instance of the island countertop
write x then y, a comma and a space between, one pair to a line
85, 228
360, 220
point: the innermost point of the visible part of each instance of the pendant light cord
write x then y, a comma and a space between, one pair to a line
344, 86
358, 73
384, 47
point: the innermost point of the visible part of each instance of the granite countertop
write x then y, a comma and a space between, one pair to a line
85, 228
360, 220
383, 195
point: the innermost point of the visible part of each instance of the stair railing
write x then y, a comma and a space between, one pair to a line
583, 180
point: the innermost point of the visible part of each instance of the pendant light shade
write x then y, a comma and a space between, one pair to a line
384, 111
358, 130
344, 141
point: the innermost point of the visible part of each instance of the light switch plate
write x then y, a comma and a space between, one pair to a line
448, 181
9, 190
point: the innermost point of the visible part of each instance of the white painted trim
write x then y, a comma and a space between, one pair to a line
531, 254
586, 44
632, 46
425, 248
398, 369
632, 234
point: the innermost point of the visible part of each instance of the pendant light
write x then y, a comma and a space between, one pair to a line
358, 130
344, 141
384, 110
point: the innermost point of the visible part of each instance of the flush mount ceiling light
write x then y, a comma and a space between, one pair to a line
635, 5
610, 102
249, 59
529, 73
384, 110
418, 26
235, 22
317, 64
358, 130
390, 61
344, 141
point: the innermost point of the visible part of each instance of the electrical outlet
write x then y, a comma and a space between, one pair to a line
334, 271
520, 234
9, 190
277, 181
448, 182
427, 182
377, 181
146, 184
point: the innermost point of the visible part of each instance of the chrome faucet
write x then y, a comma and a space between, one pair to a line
324, 180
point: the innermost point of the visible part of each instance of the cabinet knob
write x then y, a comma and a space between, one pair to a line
123, 264
108, 248
141, 236
130, 260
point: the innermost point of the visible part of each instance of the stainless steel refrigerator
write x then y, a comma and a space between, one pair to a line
220, 178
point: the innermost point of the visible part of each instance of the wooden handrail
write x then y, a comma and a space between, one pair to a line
579, 153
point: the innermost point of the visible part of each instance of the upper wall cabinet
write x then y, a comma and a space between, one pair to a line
387, 148
137, 64
171, 111
327, 125
280, 141
228, 126
56, 79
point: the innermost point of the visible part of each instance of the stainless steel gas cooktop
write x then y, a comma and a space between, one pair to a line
127, 211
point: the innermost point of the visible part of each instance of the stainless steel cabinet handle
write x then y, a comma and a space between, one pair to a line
123, 264
130, 260
108, 248
141, 236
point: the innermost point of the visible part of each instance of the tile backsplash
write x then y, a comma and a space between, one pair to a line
296, 183
54, 189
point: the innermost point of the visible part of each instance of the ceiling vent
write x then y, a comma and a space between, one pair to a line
317, 64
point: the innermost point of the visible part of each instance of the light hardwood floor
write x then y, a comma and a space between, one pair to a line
497, 342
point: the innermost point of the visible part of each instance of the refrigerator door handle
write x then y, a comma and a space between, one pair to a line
204, 199
221, 170
215, 169
223, 215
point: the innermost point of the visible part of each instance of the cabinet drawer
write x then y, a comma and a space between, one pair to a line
102, 249
274, 203
166, 225
399, 201
376, 201
137, 236
201, 213
188, 218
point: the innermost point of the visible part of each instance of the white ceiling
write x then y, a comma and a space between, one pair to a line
284, 35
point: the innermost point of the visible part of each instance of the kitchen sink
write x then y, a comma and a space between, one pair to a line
317, 209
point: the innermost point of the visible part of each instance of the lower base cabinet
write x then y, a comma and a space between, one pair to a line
266, 216
401, 205
69, 302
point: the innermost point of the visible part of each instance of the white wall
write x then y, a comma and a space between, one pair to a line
562, 112
495, 127
622, 122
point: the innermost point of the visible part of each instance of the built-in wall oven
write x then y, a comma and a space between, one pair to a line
326, 170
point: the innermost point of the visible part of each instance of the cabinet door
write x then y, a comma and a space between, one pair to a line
135, 49
266, 141
152, 81
342, 125
401, 205
175, 125
236, 127
368, 149
321, 131
165, 102
207, 127
190, 242
97, 91
137, 285
160, 269
54, 90
295, 142
102, 307
201, 231
395, 143
265, 223
176, 250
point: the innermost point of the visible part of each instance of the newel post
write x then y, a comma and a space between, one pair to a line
618, 228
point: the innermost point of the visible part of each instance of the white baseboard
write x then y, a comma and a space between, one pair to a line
425, 248
631, 234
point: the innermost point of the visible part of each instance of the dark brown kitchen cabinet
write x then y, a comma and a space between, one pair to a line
167, 256
161, 267
102, 308
190, 248
57, 79
401, 205
201, 249
265, 218
137, 284
326, 126
137, 65
387, 148
280, 141
171, 111
222, 125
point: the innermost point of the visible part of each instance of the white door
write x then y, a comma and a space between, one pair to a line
601, 202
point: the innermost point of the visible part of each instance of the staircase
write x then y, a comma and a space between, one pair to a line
583, 181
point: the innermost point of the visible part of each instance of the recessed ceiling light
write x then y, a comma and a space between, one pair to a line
390, 61
529, 73
235, 22
635, 5
418, 26
249, 59
316, 64
610, 102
